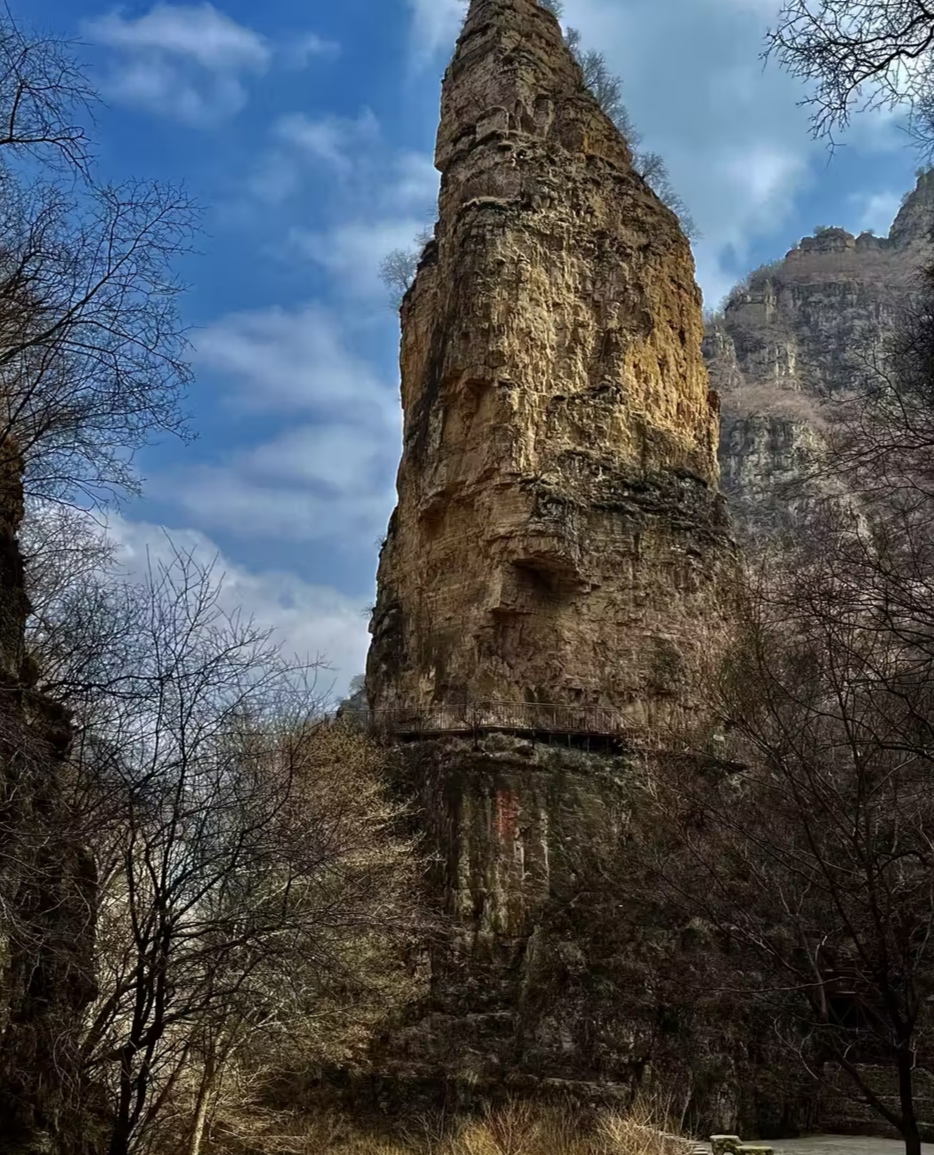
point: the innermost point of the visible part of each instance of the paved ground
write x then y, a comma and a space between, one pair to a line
841, 1145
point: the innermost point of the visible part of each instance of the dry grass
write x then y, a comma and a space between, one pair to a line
520, 1128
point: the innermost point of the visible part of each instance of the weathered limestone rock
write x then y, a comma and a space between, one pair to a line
46, 885
559, 561
912, 225
796, 335
559, 537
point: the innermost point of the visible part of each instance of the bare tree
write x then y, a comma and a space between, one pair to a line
812, 852
252, 893
815, 858
397, 269
92, 350
44, 100
859, 55
608, 90
92, 357
603, 83
654, 171
91, 362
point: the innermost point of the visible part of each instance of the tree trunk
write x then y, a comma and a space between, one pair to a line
910, 1133
205, 1090
119, 1139
120, 1135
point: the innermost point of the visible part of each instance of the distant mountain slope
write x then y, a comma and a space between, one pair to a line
794, 335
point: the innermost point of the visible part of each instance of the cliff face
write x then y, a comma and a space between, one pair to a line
796, 335
559, 536
46, 885
793, 338
558, 565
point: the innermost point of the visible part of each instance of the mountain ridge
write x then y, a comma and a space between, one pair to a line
792, 337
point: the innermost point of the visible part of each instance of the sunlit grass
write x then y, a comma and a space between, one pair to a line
519, 1128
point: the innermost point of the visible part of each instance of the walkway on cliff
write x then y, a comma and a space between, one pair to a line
560, 723
841, 1145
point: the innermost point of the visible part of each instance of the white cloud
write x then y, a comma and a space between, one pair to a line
200, 33
882, 129
731, 129
714, 280
231, 497
309, 620
185, 61
300, 50
757, 184
414, 181
874, 211
383, 198
767, 175
327, 476
335, 456
335, 140
333, 147
766, 8
757, 189
283, 360
191, 61
435, 24
352, 252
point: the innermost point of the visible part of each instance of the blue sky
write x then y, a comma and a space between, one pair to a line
306, 132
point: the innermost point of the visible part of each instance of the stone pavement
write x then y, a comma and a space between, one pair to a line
830, 1145
841, 1145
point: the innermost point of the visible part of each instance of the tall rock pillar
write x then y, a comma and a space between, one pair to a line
559, 535
558, 559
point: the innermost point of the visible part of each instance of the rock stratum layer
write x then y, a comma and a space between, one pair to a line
559, 537
797, 334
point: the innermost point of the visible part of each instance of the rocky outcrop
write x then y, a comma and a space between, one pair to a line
560, 973
46, 885
558, 566
559, 537
912, 225
795, 336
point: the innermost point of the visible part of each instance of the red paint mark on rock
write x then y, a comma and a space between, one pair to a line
506, 820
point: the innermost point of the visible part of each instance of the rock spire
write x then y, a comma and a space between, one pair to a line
559, 538
556, 572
